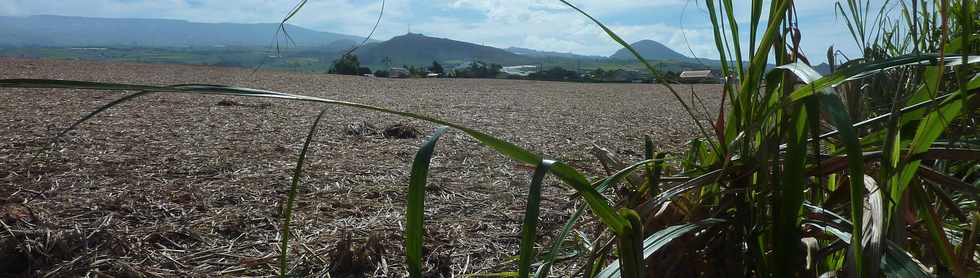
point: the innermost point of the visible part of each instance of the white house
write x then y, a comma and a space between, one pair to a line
699, 76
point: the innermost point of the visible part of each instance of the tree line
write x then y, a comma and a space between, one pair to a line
350, 65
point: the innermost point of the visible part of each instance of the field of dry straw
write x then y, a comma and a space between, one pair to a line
181, 185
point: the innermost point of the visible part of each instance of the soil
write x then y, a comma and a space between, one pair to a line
189, 185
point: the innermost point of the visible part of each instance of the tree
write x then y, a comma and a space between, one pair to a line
415, 71
596, 75
555, 74
347, 64
479, 70
436, 68
387, 61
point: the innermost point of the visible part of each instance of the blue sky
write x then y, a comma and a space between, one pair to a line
539, 24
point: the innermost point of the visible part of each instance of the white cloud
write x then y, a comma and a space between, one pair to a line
549, 25
353, 17
552, 44
527, 24
687, 41
594, 7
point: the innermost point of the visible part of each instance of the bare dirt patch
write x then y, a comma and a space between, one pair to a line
186, 185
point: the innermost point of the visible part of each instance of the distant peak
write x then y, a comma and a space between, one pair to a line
647, 42
649, 49
411, 35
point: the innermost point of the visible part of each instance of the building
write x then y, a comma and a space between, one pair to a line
522, 70
700, 76
399, 73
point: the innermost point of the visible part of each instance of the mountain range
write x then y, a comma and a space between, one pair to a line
47, 31
70, 31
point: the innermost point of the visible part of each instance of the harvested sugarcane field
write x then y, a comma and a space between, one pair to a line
175, 184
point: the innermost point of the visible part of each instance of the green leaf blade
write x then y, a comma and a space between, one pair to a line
415, 208
531, 212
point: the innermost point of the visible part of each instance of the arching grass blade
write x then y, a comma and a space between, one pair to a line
88, 116
415, 208
937, 233
630, 246
557, 243
531, 211
789, 198
658, 240
287, 208
832, 105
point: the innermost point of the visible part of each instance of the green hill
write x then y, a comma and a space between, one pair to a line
417, 49
650, 50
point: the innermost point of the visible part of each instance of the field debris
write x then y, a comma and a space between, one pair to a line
401, 131
227, 102
347, 261
394, 131
361, 129
169, 185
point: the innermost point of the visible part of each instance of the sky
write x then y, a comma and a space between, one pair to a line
682, 25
